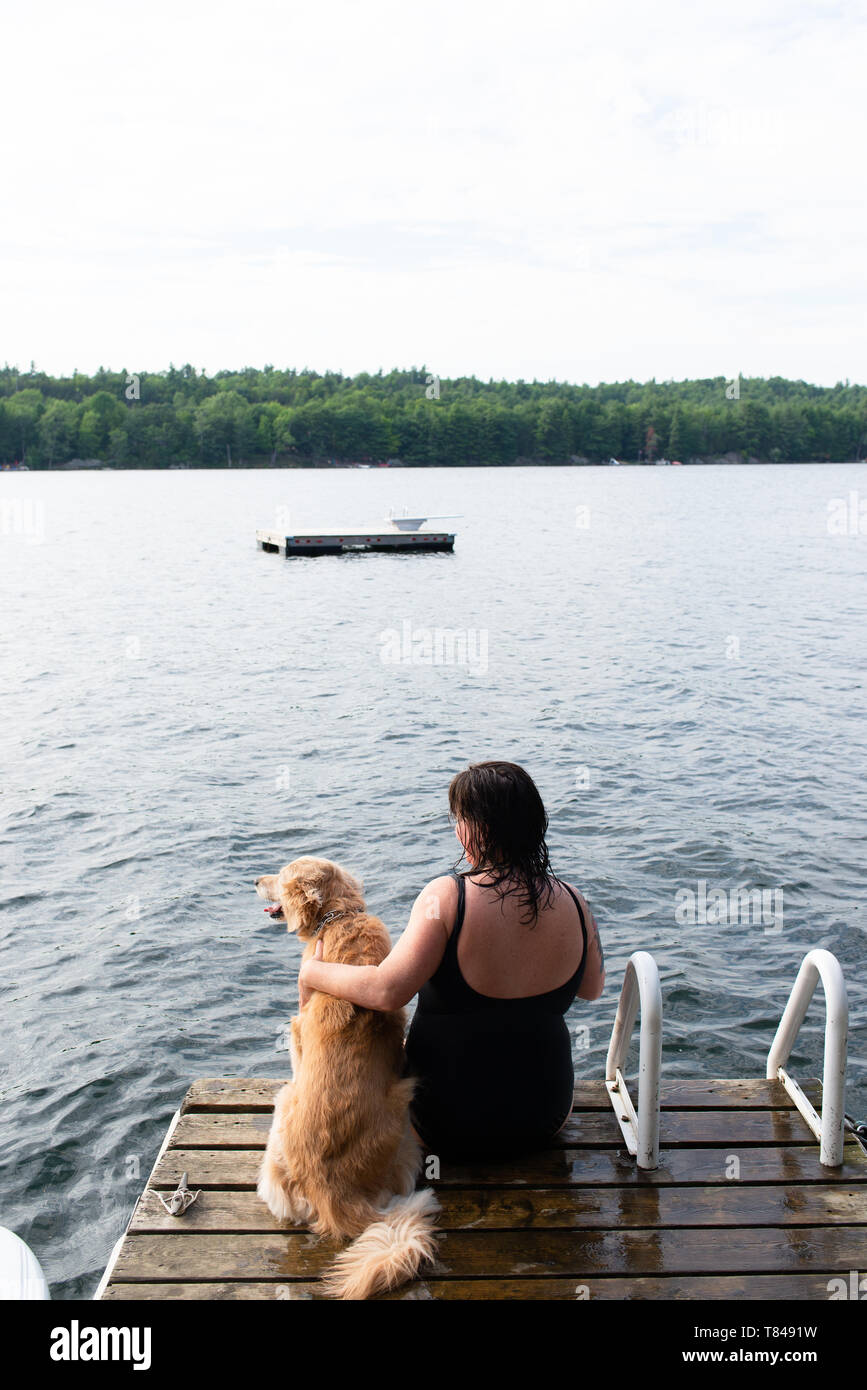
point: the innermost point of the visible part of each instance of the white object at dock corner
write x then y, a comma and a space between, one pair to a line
412, 523
21, 1274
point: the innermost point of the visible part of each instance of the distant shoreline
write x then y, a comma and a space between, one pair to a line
415, 419
264, 464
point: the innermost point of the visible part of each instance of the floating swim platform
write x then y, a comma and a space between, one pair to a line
391, 534
713, 1190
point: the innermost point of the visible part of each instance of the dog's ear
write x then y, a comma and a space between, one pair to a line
310, 888
325, 882
303, 891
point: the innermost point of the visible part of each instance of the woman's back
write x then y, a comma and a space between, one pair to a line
502, 955
488, 1041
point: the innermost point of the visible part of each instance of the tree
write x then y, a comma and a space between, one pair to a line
281, 430
553, 431
675, 443
103, 413
58, 432
22, 412
225, 428
118, 447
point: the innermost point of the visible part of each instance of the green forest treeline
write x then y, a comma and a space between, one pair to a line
281, 418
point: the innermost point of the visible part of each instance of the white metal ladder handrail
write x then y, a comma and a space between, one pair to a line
641, 1131
827, 1127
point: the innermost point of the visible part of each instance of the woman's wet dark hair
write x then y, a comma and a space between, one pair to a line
507, 822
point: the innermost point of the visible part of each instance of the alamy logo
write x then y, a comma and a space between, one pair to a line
23, 516
434, 646
709, 906
847, 516
76, 1343
855, 1289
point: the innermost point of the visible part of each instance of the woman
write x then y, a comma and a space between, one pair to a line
496, 955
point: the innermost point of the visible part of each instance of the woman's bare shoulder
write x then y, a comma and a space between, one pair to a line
445, 884
438, 899
585, 906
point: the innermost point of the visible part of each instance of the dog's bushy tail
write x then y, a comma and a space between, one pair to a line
388, 1252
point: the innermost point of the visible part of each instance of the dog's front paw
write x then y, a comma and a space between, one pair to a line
280, 1203
275, 1197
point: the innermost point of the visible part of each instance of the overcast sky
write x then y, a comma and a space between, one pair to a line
546, 190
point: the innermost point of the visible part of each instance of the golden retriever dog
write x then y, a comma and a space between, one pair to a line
341, 1155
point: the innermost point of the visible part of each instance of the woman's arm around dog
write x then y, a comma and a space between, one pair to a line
406, 968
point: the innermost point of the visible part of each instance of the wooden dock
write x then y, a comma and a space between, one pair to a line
739, 1207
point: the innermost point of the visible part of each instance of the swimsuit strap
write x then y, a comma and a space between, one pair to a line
580, 971
462, 902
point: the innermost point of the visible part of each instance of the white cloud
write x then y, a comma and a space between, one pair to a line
555, 190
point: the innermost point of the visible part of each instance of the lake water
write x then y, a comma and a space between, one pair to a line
676, 655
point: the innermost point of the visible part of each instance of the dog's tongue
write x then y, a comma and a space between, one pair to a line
275, 911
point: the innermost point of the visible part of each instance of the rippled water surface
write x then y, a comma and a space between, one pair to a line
677, 656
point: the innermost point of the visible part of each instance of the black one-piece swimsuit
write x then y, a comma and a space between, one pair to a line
495, 1076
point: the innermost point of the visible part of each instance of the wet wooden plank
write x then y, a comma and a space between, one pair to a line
226, 1129
688, 1128
526, 1253
257, 1093
233, 1093
223, 1257
248, 1291
751, 1094
584, 1208
757, 1287
593, 1129
743, 1287
795, 1165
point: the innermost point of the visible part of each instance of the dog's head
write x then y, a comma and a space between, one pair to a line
306, 889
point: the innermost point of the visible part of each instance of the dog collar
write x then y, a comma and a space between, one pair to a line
329, 917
